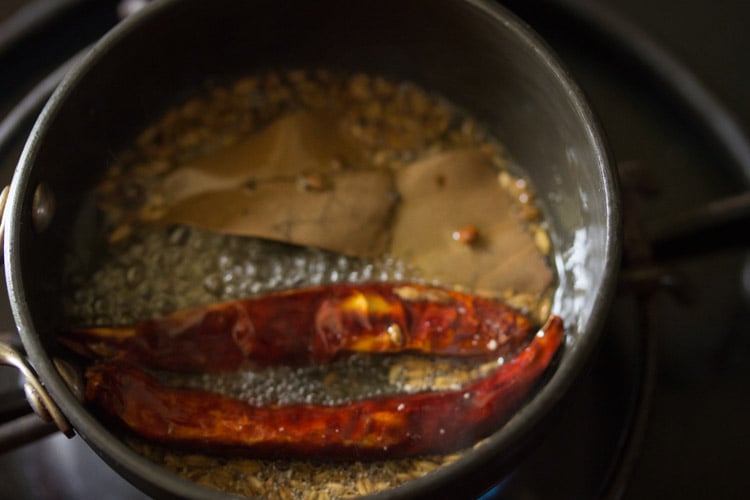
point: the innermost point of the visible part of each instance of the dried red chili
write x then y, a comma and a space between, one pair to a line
314, 325
388, 426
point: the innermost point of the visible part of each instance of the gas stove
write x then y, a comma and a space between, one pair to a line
662, 410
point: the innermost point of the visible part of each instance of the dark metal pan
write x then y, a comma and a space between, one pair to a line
475, 53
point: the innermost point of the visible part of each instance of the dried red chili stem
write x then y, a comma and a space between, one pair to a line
391, 426
314, 325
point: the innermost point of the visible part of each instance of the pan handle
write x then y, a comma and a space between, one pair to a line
37, 396
27, 428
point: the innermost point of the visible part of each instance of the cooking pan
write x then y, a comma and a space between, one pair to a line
475, 53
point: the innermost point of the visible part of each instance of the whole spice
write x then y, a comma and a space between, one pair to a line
391, 426
313, 325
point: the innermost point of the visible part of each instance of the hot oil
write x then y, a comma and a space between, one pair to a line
155, 272
156, 261
339, 382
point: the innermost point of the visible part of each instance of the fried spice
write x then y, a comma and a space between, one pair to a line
314, 138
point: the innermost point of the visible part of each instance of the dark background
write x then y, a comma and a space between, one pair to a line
697, 442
